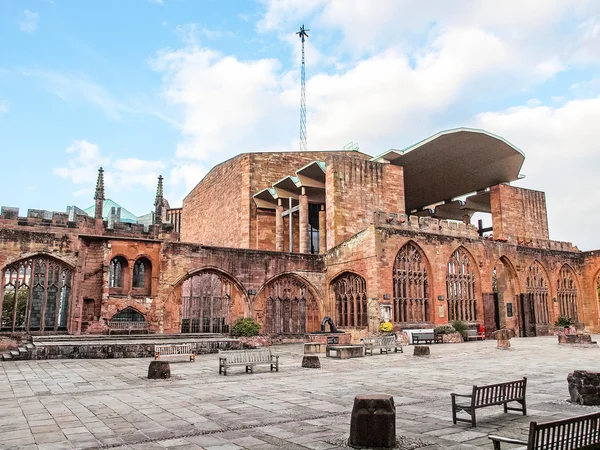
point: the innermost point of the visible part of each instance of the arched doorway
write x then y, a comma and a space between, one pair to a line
350, 294
411, 286
535, 314
206, 305
505, 291
460, 287
36, 294
567, 293
287, 306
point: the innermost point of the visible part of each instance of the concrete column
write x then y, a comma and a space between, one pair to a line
279, 227
322, 230
303, 214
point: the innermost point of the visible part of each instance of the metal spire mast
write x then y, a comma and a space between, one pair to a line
303, 35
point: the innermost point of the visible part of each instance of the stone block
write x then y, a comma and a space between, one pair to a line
575, 339
9, 212
421, 350
584, 387
310, 348
311, 362
373, 422
159, 370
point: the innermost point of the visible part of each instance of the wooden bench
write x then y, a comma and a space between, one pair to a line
473, 335
383, 343
175, 350
582, 432
129, 326
426, 337
248, 358
493, 394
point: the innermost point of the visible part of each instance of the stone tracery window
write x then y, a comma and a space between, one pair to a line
206, 303
116, 275
537, 293
350, 291
411, 285
567, 293
142, 275
460, 287
290, 307
36, 294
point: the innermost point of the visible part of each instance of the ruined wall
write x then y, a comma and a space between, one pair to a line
518, 214
355, 189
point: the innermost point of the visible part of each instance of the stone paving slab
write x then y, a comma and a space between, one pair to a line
66, 404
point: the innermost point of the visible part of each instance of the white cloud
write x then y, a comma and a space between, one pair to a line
156, 2
120, 174
4, 107
30, 23
74, 88
562, 159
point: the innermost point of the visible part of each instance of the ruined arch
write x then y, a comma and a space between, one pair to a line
128, 314
505, 293
287, 304
211, 300
461, 286
349, 291
141, 281
567, 293
118, 276
535, 308
36, 294
411, 285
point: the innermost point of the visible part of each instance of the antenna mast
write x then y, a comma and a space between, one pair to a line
303, 35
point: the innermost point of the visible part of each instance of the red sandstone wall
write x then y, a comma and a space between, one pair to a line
355, 189
518, 213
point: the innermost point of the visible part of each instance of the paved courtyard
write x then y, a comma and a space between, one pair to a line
65, 404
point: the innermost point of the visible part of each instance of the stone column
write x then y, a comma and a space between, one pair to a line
279, 232
303, 213
322, 230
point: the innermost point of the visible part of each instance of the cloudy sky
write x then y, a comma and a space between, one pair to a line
172, 87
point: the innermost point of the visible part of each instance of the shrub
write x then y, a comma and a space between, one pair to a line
386, 327
461, 327
444, 329
245, 327
564, 321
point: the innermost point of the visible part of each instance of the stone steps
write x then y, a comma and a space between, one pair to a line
22, 352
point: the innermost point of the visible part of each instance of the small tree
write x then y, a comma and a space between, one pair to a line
245, 327
563, 322
461, 327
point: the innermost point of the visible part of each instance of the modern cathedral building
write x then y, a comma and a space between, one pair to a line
289, 238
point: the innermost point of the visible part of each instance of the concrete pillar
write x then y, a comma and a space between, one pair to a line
322, 230
303, 217
279, 232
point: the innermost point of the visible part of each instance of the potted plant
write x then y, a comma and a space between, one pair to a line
386, 327
448, 334
564, 322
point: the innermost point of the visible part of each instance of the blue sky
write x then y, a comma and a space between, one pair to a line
174, 87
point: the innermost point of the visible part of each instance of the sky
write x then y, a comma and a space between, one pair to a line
173, 87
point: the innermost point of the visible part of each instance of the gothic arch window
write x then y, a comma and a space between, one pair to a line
142, 275
206, 303
460, 287
128, 315
537, 293
411, 285
290, 307
36, 294
116, 279
567, 293
350, 292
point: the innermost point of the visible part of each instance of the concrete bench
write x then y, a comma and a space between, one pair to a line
345, 351
314, 347
581, 432
383, 343
128, 326
247, 358
164, 351
490, 395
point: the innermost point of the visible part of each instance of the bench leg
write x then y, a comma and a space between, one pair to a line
473, 421
453, 410
193, 357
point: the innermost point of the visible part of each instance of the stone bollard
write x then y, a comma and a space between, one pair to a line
584, 387
421, 350
502, 337
373, 422
311, 362
158, 370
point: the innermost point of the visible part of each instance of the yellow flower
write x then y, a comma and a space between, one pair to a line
386, 327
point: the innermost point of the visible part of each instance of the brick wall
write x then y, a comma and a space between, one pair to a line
355, 189
518, 213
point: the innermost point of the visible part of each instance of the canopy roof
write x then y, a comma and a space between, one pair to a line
107, 205
454, 163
